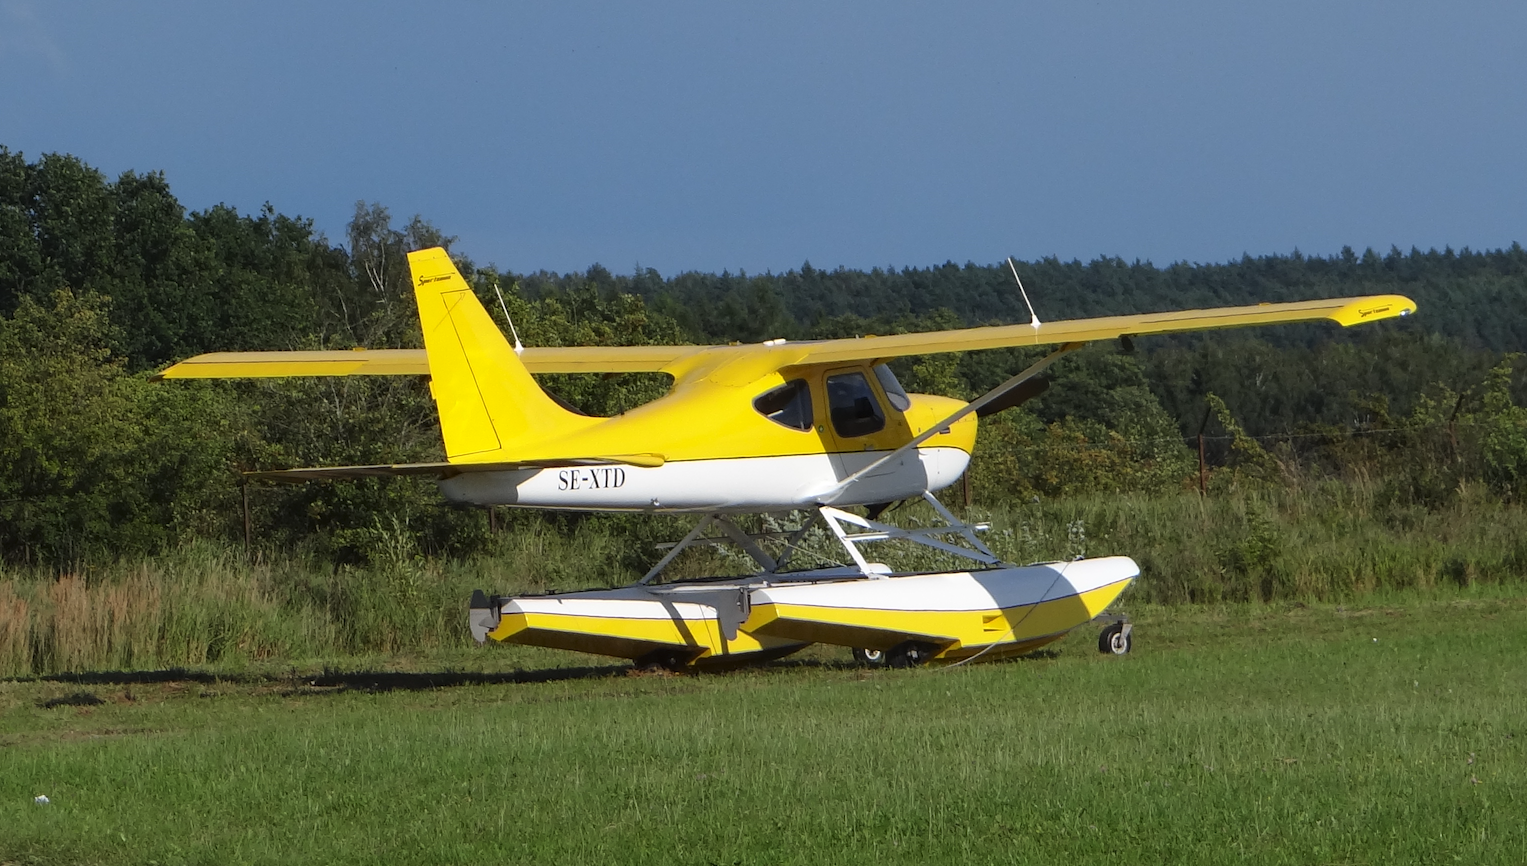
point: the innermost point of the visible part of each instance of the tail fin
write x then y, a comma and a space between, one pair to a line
487, 400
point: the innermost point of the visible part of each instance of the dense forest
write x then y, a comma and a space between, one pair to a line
103, 282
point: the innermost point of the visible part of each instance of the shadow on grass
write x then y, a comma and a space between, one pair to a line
1039, 655
389, 681
369, 681
331, 682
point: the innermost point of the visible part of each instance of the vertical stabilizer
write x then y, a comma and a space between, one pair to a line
488, 402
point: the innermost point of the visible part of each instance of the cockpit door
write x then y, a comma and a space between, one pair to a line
859, 419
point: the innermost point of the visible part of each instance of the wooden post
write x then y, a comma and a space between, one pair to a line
1452, 431
492, 519
1203, 466
965, 484
1203, 470
247, 533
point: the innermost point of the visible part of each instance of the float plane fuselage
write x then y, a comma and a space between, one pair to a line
770, 426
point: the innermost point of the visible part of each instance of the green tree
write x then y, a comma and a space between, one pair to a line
1503, 432
94, 461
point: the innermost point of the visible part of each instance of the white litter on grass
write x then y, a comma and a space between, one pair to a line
1375, 640
41, 800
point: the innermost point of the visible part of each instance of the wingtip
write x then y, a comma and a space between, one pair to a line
174, 371
1373, 308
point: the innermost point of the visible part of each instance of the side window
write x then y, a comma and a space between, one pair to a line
855, 411
788, 405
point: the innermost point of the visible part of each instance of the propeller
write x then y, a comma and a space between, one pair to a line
1016, 395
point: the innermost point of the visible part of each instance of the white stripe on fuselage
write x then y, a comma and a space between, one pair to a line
724, 484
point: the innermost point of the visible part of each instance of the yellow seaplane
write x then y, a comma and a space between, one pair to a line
815, 427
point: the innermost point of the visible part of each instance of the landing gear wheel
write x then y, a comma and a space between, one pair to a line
910, 654
663, 660
870, 658
1116, 639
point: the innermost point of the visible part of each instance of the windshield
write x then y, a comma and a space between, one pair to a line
892, 388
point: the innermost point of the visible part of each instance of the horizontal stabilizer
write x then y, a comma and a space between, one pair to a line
414, 362
271, 365
443, 470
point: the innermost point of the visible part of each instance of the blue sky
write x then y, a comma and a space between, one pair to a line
705, 136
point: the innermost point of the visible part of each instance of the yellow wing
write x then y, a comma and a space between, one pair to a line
1345, 311
748, 362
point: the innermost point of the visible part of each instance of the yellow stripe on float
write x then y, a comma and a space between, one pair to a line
878, 628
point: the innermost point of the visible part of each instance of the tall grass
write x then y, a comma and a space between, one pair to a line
1329, 541
193, 606
201, 604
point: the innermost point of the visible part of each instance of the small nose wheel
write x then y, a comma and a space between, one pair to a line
870, 658
1115, 639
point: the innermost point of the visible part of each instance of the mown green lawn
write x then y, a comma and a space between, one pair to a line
1392, 732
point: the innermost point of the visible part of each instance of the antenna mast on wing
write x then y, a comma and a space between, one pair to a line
1033, 319
518, 348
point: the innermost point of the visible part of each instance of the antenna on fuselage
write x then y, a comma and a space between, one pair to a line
518, 349
1033, 319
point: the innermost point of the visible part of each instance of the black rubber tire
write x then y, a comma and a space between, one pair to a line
870, 658
1113, 640
663, 660
910, 654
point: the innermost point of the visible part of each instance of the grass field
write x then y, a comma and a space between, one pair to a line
1391, 732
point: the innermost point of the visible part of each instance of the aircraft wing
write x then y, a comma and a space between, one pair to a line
1344, 311
746, 362
413, 362
442, 470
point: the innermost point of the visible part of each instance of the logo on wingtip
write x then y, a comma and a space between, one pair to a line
425, 280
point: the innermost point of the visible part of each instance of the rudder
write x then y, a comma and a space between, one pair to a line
488, 402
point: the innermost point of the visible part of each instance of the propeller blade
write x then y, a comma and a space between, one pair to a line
1020, 393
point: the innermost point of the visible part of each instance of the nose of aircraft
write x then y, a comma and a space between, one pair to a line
929, 409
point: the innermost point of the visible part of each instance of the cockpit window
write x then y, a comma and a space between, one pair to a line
855, 411
892, 388
788, 405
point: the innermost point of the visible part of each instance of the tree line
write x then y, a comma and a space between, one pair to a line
103, 282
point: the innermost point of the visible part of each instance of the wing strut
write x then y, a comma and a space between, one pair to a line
691, 538
975, 405
849, 529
